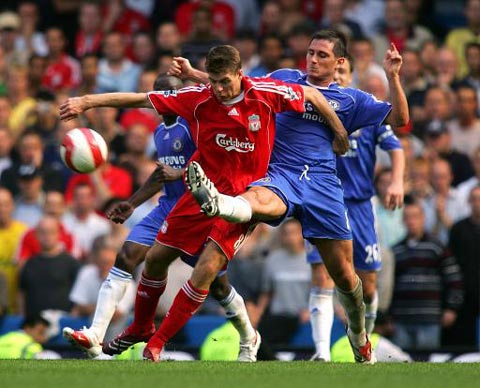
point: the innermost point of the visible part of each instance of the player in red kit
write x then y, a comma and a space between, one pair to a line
232, 123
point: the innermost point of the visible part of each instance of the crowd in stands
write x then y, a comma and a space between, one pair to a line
56, 245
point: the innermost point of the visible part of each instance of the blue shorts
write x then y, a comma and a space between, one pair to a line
366, 254
314, 198
146, 231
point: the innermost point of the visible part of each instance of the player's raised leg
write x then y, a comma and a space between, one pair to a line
111, 292
236, 312
151, 287
258, 202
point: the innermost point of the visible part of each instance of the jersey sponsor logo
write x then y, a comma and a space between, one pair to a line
177, 145
173, 160
254, 123
233, 144
311, 114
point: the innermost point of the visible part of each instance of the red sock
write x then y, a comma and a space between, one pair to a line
146, 301
186, 303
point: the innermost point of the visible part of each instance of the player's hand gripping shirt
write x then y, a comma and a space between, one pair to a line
234, 142
304, 138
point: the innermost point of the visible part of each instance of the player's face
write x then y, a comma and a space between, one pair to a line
321, 61
226, 85
343, 74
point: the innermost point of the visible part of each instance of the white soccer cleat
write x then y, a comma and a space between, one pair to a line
202, 189
248, 351
83, 339
362, 354
319, 358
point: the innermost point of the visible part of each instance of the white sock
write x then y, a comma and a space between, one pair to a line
371, 313
112, 291
352, 303
236, 313
234, 209
320, 305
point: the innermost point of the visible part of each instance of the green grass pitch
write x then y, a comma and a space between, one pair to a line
185, 374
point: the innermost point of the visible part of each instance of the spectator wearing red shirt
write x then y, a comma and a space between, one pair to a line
30, 246
89, 35
223, 17
63, 71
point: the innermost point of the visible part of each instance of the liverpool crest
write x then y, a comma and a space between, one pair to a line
254, 123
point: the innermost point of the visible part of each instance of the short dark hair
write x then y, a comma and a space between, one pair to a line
166, 82
351, 61
223, 59
33, 320
337, 38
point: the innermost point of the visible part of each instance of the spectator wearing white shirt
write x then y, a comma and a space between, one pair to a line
82, 221
466, 187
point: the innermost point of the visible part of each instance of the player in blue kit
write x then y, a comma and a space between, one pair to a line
301, 180
174, 148
356, 171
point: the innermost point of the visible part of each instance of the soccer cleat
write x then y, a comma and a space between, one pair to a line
151, 353
248, 351
317, 357
126, 339
363, 354
83, 339
202, 189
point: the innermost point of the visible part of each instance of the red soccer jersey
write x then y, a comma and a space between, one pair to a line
63, 74
234, 142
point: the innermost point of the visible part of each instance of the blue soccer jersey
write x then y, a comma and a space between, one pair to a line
304, 138
356, 167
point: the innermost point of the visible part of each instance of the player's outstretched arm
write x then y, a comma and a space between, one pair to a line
320, 103
395, 191
182, 69
74, 106
399, 116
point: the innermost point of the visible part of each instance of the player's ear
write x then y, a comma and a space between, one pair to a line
340, 61
240, 73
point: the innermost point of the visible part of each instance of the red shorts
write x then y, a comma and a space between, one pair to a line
187, 229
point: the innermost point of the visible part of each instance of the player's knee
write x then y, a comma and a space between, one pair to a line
219, 290
127, 259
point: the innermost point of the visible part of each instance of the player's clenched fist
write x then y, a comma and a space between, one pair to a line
180, 68
119, 212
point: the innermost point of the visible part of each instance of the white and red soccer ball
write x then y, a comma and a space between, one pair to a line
83, 150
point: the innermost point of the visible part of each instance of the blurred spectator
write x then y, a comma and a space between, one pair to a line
143, 49
46, 279
375, 84
246, 13
36, 68
164, 60
472, 78
11, 232
145, 7
246, 43
390, 227
202, 36
142, 116
369, 14
82, 221
271, 18
222, 19
464, 244
27, 342
467, 186
465, 127
89, 70
459, 37
298, 41
363, 51
446, 67
5, 110
29, 39
3, 295
293, 15
444, 207
85, 290
22, 102
437, 107
168, 38
428, 54
6, 146
334, 18
420, 187
283, 303
438, 141
136, 140
118, 17
63, 71
397, 30
3, 72
29, 246
88, 39
9, 30
29, 202
116, 72
428, 286
271, 51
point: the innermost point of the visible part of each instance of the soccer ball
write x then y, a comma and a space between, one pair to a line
83, 150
